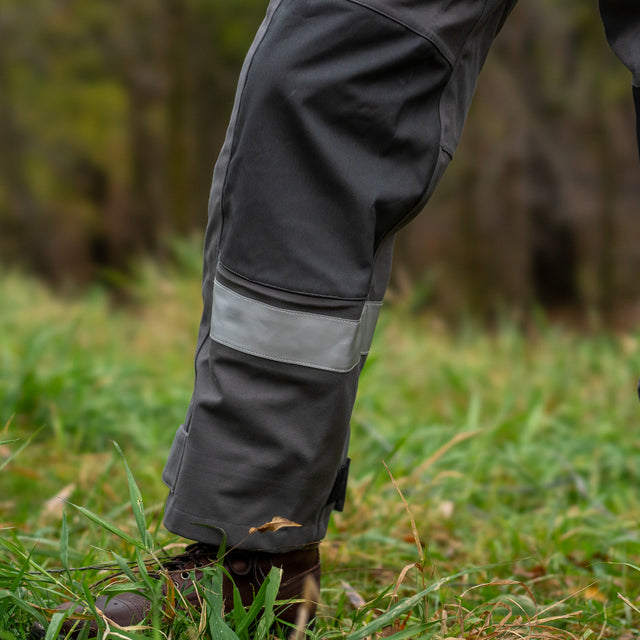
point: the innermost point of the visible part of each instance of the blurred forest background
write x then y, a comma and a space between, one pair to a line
112, 114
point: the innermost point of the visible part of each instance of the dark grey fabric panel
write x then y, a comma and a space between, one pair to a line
214, 225
348, 309
335, 143
636, 99
621, 20
449, 24
265, 439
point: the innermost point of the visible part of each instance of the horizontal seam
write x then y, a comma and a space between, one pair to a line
290, 312
295, 291
208, 521
270, 356
263, 31
427, 35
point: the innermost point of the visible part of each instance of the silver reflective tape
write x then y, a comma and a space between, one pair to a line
306, 339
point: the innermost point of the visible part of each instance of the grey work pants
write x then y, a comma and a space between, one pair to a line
347, 113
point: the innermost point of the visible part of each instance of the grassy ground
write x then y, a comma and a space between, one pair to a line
494, 487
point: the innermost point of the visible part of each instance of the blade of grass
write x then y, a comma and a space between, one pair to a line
20, 449
144, 573
213, 596
413, 631
252, 612
136, 504
24, 606
124, 567
104, 524
390, 616
38, 572
241, 616
64, 542
54, 626
271, 585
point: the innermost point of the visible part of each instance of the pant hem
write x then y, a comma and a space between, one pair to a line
237, 536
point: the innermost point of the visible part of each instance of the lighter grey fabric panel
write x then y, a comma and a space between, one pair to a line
305, 339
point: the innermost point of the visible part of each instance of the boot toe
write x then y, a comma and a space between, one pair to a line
125, 609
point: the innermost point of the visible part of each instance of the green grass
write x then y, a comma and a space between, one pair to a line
494, 486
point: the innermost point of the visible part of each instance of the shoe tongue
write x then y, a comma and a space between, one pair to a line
191, 557
201, 548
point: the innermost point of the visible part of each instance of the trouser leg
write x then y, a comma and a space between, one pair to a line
621, 19
636, 99
346, 115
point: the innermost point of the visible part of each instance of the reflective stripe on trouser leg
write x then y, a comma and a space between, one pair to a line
346, 115
291, 336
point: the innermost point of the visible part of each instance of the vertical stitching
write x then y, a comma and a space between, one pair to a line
260, 37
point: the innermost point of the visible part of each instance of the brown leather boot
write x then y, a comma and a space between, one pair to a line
248, 570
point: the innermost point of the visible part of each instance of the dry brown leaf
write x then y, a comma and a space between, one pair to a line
401, 577
446, 509
277, 523
396, 627
356, 600
460, 437
54, 506
593, 593
532, 573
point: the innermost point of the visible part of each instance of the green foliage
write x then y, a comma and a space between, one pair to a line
69, 372
105, 108
512, 451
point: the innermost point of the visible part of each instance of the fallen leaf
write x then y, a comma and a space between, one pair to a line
276, 524
446, 509
356, 600
593, 593
54, 506
26, 472
531, 573
396, 627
